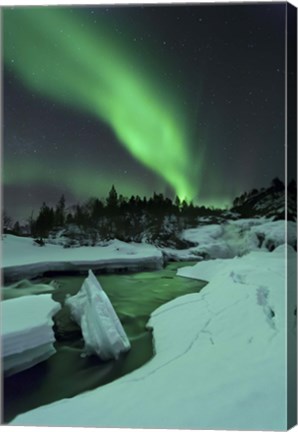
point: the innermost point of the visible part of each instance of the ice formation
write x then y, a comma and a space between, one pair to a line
27, 334
102, 331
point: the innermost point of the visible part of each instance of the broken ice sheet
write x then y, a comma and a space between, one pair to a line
101, 328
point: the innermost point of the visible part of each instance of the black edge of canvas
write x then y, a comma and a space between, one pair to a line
291, 173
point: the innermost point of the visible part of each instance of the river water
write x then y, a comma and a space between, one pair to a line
69, 372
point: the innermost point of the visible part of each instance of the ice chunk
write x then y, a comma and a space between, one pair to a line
18, 362
25, 287
27, 333
102, 331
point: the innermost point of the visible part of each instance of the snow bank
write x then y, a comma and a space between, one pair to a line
23, 259
181, 254
27, 333
220, 358
236, 238
203, 234
272, 234
93, 312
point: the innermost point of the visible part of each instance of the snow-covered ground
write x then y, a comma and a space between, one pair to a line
27, 334
220, 358
233, 238
22, 258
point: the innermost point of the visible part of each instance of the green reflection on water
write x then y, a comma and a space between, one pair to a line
67, 373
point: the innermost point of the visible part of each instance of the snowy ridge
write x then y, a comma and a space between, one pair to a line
220, 358
27, 333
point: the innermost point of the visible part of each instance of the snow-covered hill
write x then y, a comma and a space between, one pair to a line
270, 202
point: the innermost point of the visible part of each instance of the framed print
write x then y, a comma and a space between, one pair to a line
149, 237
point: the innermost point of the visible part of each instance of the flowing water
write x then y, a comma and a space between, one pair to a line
69, 372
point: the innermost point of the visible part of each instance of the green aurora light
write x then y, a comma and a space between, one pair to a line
51, 53
74, 177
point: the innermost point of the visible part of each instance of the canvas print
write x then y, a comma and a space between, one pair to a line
149, 210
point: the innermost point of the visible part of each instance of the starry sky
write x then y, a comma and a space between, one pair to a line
186, 100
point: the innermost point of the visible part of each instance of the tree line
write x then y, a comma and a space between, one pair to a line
117, 216
128, 219
153, 218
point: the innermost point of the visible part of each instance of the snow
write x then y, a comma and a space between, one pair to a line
206, 271
27, 333
181, 254
203, 234
236, 238
220, 358
22, 258
232, 238
102, 331
25, 287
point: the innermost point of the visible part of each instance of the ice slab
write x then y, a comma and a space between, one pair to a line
102, 331
27, 334
21, 361
22, 259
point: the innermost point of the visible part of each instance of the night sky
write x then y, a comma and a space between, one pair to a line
183, 100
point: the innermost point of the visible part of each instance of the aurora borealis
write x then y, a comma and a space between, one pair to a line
112, 87
184, 100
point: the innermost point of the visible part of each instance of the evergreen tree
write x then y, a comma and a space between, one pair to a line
112, 202
277, 184
236, 202
184, 207
6, 221
177, 202
112, 199
31, 224
60, 212
16, 228
69, 219
81, 216
97, 210
44, 222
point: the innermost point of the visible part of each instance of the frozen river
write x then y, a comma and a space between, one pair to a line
68, 372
